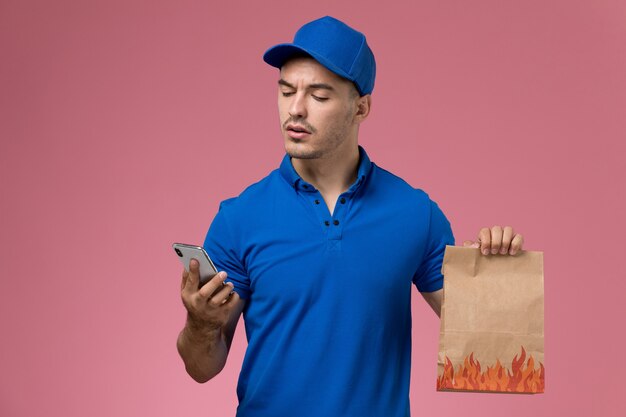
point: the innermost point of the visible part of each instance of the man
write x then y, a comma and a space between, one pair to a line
321, 255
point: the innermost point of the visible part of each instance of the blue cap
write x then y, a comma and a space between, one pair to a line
336, 46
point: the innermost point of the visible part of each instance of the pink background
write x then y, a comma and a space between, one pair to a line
124, 123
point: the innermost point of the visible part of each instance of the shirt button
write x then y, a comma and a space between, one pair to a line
327, 223
342, 201
336, 222
317, 201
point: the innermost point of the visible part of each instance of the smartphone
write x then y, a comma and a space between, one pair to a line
187, 252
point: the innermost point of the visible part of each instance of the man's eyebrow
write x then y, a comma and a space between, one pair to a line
285, 83
320, 86
315, 86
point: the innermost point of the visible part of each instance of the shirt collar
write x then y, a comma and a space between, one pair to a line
291, 176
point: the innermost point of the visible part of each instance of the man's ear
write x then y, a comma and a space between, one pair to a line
363, 107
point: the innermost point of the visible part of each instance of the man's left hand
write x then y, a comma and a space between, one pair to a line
497, 240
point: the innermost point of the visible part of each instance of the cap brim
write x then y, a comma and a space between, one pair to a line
277, 55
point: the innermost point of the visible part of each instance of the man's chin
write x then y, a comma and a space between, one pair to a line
300, 150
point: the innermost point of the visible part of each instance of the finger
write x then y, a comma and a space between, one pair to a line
192, 276
496, 239
221, 295
232, 299
470, 244
507, 236
516, 244
184, 280
210, 287
188, 286
484, 237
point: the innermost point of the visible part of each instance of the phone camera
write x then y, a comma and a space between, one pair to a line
178, 252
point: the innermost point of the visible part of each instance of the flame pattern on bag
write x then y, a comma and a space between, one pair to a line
468, 376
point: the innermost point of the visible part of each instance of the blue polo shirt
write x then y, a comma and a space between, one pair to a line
328, 311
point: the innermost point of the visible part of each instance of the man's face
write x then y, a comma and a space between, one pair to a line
317, 109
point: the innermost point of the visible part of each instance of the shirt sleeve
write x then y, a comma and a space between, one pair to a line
222, 245
428, 277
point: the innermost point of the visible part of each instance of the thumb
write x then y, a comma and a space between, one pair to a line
192, 276
470, 244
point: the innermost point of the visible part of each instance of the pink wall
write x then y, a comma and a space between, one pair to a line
124, 123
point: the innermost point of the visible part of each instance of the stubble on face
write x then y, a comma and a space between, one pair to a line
335, 136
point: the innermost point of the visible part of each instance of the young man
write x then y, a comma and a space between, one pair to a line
321, 255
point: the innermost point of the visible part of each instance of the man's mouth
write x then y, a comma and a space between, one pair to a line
297, 128
296, 131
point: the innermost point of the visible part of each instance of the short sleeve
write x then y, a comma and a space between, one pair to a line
222, 245
428, 277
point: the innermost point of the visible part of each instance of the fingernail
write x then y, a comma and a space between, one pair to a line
503, 251
485, 251
494, 251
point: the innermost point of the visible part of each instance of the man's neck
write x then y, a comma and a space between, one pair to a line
331, 175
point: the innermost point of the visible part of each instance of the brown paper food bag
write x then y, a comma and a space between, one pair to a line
491, 337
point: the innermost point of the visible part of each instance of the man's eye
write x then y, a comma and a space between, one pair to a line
318, 98
287, 93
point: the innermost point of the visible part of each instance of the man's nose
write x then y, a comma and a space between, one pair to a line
298, 106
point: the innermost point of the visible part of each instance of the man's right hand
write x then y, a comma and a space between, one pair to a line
212, 314
208, 307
